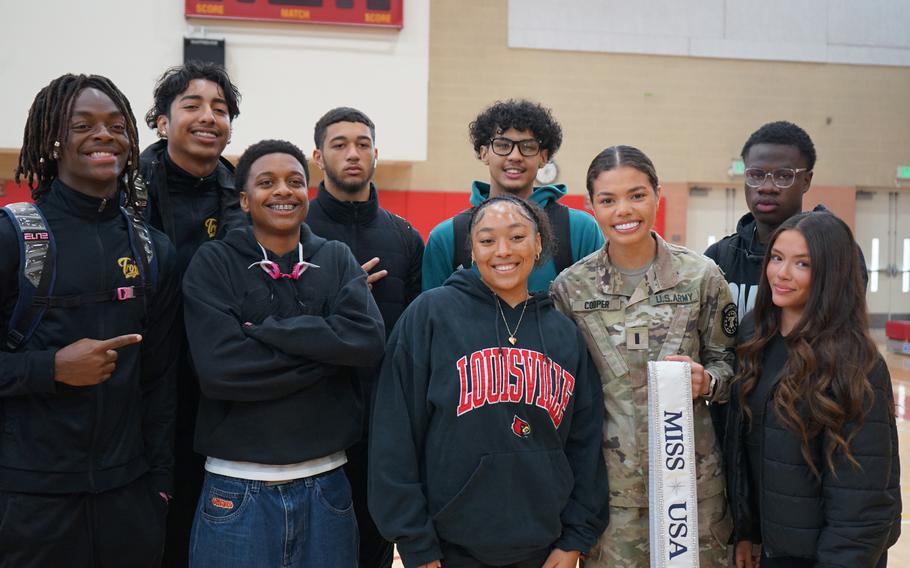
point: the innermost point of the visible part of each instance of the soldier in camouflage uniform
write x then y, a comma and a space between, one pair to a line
677, 305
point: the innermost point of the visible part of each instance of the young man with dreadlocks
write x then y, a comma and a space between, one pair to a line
514, 139
191, 198
86, 392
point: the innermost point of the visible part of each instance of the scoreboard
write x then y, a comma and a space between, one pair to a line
375, 13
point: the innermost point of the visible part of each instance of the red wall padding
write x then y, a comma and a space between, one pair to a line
13, 193
424, 209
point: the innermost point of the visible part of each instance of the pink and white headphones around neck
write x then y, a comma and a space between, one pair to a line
275, 273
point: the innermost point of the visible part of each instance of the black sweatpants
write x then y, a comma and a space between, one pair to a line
119, 527
189, 467
375, 551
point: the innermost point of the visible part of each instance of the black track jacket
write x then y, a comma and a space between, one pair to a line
56, 438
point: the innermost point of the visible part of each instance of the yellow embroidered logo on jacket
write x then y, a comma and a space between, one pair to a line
129, 267
211, 225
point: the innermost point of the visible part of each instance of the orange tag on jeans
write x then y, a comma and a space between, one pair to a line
222, 503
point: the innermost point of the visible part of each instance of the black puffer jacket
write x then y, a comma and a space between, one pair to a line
847, 520
371, 231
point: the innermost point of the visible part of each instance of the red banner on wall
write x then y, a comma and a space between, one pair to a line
375, 13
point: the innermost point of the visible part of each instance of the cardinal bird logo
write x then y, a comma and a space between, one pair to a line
520, 427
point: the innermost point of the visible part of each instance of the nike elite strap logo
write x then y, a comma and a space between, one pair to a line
672, 481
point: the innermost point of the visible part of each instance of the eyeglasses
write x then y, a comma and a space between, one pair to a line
782, 178
503, 146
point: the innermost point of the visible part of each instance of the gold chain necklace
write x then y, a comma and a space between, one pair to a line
512, 339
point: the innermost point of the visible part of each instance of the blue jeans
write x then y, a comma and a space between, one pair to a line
307, 522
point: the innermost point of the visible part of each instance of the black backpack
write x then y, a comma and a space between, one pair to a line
38, 261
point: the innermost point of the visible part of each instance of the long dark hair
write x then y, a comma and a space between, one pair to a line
824, 382
48, 123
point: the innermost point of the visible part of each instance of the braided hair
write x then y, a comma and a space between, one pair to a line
530, 211
48, 124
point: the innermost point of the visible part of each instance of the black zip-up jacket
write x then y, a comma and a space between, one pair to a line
188, 209
487, 445
56, 438
371, 231
274, 357
740, 256
846, 520
191, 211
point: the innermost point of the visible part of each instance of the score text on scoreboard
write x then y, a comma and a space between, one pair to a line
375, 13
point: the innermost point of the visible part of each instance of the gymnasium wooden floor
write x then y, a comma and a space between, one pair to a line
899, 365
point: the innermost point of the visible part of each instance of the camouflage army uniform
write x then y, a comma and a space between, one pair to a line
681, 306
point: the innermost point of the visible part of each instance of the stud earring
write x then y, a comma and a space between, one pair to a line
55, 155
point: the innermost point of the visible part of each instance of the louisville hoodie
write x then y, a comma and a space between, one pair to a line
274, 357
584, 233
492, 447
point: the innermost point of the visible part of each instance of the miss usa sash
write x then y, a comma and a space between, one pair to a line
673, 499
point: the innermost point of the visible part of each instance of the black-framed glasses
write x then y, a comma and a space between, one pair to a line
782, 178
502, 146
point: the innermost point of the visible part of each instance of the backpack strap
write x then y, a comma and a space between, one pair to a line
37, 271
37, 260
461, 250
404, 230
559, 220
142, 246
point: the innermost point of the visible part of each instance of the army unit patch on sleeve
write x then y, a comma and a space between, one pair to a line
730, 323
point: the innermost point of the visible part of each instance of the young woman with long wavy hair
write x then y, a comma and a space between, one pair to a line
812, 455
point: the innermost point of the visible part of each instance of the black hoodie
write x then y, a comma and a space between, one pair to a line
274, 357
740, 257
451, 461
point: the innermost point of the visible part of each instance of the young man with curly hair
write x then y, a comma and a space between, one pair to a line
191, 198
514, 139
